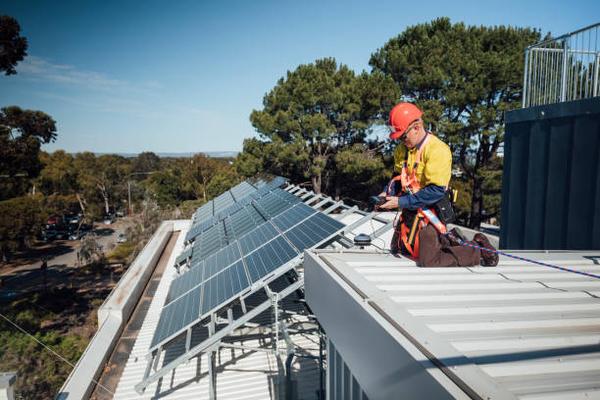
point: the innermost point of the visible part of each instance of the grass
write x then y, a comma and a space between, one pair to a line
64, 317
122, 253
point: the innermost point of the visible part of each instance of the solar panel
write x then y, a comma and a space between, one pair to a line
286, 195
245, 220
207, 223
192, 233
203, 212
212, 240
257, 237
262, 191
196, 255
221, 260
277, 181
242, 190
228, 203
222, 287
203, 270
184, 256
293, 216
269, 257
242, 249
313, 230
176, 315
223, 201
232, 208
184, 283
246, 217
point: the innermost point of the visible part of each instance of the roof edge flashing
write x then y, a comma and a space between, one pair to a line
397, 331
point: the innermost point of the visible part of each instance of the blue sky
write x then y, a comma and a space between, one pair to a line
183, 76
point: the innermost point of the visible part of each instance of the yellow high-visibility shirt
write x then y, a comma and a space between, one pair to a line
435, 167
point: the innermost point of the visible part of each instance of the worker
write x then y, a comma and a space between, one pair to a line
423, 164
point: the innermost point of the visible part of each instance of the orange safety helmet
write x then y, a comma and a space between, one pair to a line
401, 116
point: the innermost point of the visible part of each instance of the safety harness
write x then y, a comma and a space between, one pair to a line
412, 222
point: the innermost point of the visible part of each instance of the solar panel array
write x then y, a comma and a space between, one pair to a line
241, 249
229, 202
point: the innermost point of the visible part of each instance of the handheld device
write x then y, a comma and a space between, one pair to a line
376, 200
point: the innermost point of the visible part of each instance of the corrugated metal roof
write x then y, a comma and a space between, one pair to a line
241, 374
533, 331
254, 375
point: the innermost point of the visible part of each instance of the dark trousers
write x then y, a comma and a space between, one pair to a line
436, 250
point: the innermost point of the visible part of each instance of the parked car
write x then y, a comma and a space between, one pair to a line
109, 219
54, 234
78, 235
73, 218
54, 220
61, 235
48, 235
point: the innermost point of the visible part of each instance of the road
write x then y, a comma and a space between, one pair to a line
60, 254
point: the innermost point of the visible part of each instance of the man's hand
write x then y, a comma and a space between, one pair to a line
391, 203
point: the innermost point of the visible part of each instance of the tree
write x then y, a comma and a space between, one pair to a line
89, 251
324, 108
165, 186
276, 157
101, 178
464, 78
22, 132
201, 170
40, 374
58, 175
146, 162
362, 171
223, 180
22, 219
13, 47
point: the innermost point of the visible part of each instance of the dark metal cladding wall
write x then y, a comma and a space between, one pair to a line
551, 181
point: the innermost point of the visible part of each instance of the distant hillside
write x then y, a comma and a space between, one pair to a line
214, 154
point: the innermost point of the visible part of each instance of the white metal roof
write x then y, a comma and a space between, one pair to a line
241, 374
527, 331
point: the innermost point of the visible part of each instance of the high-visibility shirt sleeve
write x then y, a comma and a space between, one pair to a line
427, 196
438, 165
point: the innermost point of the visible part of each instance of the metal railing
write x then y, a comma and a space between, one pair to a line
563, 69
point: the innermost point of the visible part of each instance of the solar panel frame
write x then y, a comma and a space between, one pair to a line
183, 257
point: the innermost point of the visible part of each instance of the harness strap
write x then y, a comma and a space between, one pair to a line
409, 235
433, 219
410, 181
